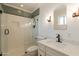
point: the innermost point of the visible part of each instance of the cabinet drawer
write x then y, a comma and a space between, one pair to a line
52, 52
41, 47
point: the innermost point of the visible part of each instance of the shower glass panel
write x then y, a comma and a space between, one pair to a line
0, 33
3, 38
16, 34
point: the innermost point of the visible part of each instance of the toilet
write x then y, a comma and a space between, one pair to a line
32, 51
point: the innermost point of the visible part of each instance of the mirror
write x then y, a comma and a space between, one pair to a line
60, 18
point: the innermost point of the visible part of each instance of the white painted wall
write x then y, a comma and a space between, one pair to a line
47, 29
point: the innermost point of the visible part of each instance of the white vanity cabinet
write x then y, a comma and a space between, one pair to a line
46, 51
53, 52
41, 53
41, 50
50, 47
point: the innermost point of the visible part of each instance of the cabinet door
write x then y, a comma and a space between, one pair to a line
41, 47
52, 52
41, 53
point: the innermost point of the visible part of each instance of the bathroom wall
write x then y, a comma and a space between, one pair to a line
47, 28
36, 23
35, 30
35, 13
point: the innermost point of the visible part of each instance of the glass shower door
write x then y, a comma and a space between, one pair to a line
16, 34
15, 39
4, 34
12, 40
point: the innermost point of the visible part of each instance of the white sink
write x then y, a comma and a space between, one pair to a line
65, 47
58, 44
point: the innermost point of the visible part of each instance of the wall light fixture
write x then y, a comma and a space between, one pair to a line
76, 14
49, 19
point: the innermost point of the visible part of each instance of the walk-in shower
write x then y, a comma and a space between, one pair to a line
15, 32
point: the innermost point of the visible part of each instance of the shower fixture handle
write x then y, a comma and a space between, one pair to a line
6, 31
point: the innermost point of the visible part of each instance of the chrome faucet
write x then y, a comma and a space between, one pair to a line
59, 39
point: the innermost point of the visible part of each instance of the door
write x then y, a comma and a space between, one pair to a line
12, 34
16, 34
15, 37
4, 42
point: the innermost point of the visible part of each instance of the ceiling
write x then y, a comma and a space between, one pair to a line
29, 7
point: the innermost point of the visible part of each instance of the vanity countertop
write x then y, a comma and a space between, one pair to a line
64, 47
